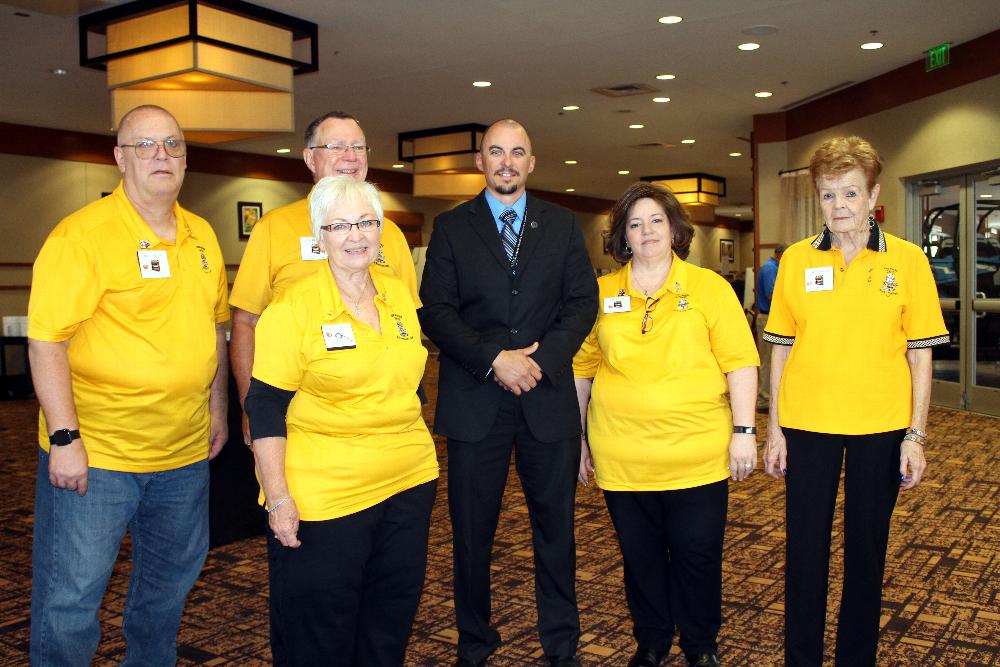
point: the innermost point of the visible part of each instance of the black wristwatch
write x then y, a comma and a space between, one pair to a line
63, 437
751, 430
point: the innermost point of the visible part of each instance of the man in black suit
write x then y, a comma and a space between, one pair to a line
508, 296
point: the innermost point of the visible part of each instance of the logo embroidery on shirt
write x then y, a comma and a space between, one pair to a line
204, 259
682, 303
143, 244
889, 286
621, 292
403, 333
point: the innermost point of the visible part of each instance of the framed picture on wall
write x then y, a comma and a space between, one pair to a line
247, 215
727, 250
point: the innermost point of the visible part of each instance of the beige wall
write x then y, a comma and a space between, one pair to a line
945, 131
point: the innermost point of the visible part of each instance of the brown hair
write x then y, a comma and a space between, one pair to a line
681, 230
841, 155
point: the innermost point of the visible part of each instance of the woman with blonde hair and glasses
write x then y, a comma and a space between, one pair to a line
346, 464
652, 378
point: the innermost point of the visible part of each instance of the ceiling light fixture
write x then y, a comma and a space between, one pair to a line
763, 93
570, 161
570, 189
670, 20
398, 166
482, 84
571, 107
224, 69
748, 46
444, 160
697, 188
665, 77
636, 126
661, 100
623, 172
871, 46
283, 150
59, 71
986, 196
687, 141
735, 154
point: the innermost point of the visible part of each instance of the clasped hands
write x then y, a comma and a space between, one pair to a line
515, 371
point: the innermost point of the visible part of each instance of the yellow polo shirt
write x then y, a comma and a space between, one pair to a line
273, 258
849, 328
355, 431
658, 418
141, 349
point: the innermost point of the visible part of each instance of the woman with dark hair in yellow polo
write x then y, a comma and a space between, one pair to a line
347, 467
670, 342
853, 318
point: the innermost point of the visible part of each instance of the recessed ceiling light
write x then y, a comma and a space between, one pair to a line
570, 161
687, 141
661, 100
986, 196
871, 46
283, 150
665, 77
59, 71
398, 166
570, 189
636, 126
763, 93
737, 215
571, 107
623, 172
748, 46
482, 84
670, 19
735, 154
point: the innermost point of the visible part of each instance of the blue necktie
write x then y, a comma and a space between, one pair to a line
507, 233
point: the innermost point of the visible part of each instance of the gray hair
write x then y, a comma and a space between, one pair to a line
330, 191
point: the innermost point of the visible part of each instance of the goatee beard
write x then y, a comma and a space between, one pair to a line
506, 189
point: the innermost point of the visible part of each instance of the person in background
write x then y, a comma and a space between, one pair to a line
509, 294
652, 378
347, 467
281, 248
854, 315
128, 358
763, 289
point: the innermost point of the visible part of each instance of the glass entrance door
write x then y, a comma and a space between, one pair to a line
958, 220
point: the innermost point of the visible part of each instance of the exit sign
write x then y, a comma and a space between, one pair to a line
938, 56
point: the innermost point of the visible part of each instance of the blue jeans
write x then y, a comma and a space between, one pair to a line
76, 543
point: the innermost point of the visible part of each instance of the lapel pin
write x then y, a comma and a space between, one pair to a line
534, 224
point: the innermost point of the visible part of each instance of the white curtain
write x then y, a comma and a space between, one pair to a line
800, 214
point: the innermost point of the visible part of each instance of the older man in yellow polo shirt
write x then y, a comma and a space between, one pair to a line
282, 250
127, 352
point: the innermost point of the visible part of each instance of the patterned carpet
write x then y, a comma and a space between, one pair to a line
942, 599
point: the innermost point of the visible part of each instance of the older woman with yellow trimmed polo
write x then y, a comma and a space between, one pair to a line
670, 342
347, 467
853, 318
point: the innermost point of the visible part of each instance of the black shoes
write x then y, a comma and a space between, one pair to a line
647, 657
561, 661
703, 660
465, 662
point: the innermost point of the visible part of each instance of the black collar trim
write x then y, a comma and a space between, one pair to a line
876, 238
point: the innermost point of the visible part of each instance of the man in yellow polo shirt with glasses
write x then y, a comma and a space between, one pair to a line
127, 352
281, 249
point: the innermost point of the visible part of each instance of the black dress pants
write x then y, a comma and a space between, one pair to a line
477, 475
347, 596
671, 543
871, 485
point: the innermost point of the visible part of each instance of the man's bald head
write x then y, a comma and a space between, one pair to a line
128, 120
505, 159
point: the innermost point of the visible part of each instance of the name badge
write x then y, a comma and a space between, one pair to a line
338, 337
310, 248
819, 279
153, 264
617, 304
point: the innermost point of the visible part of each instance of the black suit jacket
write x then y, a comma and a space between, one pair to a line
474, 307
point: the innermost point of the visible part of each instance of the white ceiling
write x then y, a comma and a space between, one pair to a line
403, 65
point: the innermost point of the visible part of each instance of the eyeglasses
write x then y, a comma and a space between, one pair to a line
647, 319
344, 228
340, 149
148, 148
